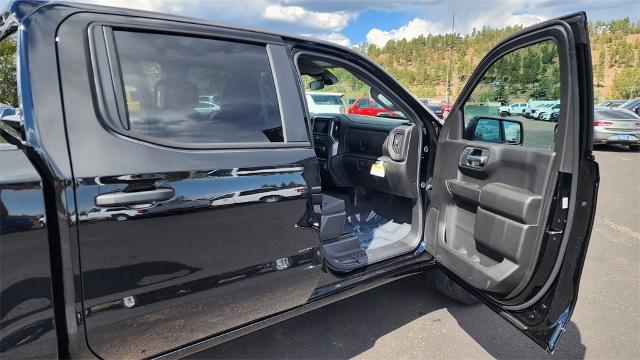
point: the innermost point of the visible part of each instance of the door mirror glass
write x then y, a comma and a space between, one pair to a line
520, 92
495, 130
512, 132
316, 85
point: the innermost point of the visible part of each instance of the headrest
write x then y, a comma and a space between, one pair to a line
176, 94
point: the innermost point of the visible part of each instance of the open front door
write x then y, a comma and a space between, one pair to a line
513, 198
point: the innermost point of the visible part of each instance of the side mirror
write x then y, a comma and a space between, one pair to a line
495, 130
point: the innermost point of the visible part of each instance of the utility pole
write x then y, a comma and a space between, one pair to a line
453, 25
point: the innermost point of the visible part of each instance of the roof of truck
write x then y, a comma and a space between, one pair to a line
21, 9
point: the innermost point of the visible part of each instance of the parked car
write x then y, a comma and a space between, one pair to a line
446, 108
534, 107
437, 109
207, 107
110, 213
616, 126
486, 215
633, 105
545, 113
6, 110
325, 103
611, 103
513, 109
267, 195
369, 107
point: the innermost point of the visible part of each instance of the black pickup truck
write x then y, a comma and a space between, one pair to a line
166, 185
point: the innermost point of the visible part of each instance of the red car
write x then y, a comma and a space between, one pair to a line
367, 106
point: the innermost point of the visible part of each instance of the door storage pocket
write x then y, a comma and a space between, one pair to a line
503, 236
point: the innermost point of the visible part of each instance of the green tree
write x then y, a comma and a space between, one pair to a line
501, 94
599, 70
626, 84
8, 73
542, 91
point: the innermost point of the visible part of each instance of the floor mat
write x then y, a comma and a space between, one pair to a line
374, 231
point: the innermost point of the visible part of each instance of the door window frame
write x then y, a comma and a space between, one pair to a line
566, 130
355, 68
110, 98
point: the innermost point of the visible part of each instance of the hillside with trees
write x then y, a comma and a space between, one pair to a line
421, 64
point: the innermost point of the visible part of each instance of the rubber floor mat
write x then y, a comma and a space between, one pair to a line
374, 230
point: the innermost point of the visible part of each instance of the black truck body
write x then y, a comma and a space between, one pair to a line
125, 244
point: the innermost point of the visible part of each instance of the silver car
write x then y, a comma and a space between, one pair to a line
616, 126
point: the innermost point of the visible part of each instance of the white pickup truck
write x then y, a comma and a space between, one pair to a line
513, 109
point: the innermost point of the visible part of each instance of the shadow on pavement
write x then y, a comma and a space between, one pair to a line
352, 326
611, 148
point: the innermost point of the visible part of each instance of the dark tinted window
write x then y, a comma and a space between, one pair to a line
364, 103
631, 104
193, 90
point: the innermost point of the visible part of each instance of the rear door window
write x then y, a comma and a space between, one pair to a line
190, 90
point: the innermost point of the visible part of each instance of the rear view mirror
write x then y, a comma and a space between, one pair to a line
325, 78
316, 85
495, 130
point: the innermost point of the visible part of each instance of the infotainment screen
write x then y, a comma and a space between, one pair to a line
321, 126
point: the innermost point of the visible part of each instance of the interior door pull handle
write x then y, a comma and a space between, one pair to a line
133, 198
476, 160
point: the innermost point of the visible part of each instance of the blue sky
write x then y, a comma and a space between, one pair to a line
351, 22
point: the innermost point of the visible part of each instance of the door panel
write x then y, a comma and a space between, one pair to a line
185, 263
157, 275
492, 212
513, 199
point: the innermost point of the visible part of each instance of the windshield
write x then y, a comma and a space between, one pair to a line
328, 83
327, 99
631, 104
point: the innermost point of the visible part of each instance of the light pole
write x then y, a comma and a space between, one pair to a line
453, 24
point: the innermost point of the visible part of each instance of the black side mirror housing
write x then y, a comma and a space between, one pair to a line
495, 130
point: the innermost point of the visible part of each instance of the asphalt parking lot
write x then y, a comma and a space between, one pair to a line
409, 319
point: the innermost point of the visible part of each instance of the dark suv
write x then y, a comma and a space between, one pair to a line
151, 228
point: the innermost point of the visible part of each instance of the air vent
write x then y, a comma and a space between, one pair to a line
396, 145
336, 130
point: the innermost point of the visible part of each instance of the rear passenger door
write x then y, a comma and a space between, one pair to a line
163, 120
513, 199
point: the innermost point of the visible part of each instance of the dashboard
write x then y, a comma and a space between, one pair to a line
348, 145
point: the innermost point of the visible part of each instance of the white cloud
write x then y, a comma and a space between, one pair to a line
507, 18
411, 30
335, 37
334, 21
524, 19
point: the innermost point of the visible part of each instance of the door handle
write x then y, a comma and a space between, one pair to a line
476, 160
134, 198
